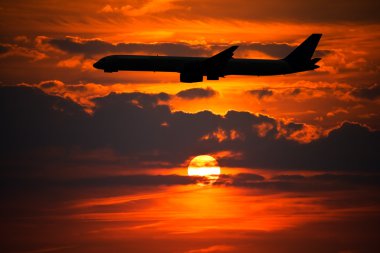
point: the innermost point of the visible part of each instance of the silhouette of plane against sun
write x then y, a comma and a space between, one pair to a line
193, 69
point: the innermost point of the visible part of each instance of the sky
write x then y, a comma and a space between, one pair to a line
97, 162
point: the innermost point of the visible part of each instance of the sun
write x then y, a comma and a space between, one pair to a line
204, 166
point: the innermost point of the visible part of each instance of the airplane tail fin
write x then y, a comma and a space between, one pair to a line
303, 53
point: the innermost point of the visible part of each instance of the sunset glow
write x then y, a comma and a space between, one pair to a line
134, 161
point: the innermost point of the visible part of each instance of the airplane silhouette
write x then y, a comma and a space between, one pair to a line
193, 69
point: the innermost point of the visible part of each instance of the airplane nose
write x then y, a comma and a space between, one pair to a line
97, 65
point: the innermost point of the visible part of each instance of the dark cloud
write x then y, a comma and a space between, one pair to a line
349, 147
288, 177
197, 93
35, 119
370, 93
239, 180
141, 100
38, 184
3, 49
296, 92
300, 183
96, 47
146, 133
281, 183
261, 93
276, 50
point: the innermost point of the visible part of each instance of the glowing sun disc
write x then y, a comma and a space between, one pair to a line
204, 166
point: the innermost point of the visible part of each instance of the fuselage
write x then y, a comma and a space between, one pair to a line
258, 67
193, 69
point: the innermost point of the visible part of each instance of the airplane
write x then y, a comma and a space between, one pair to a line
193, 69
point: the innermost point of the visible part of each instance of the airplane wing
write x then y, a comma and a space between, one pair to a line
211, 67
214, 65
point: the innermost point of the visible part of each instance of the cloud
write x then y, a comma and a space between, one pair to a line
195, 93
336, 111
261, 93
147, 8
371, 93
212, 249
276, 50
239, 180
296, 92
72, 62
37, 186
104, 181
280, 183
21, 39
300, 183
13, 50
89, 47
83, 94
51, 84
3, 49
145, 133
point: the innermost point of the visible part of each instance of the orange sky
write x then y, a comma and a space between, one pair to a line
298, 152
324, 97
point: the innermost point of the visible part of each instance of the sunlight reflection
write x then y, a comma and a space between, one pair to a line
190, 209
